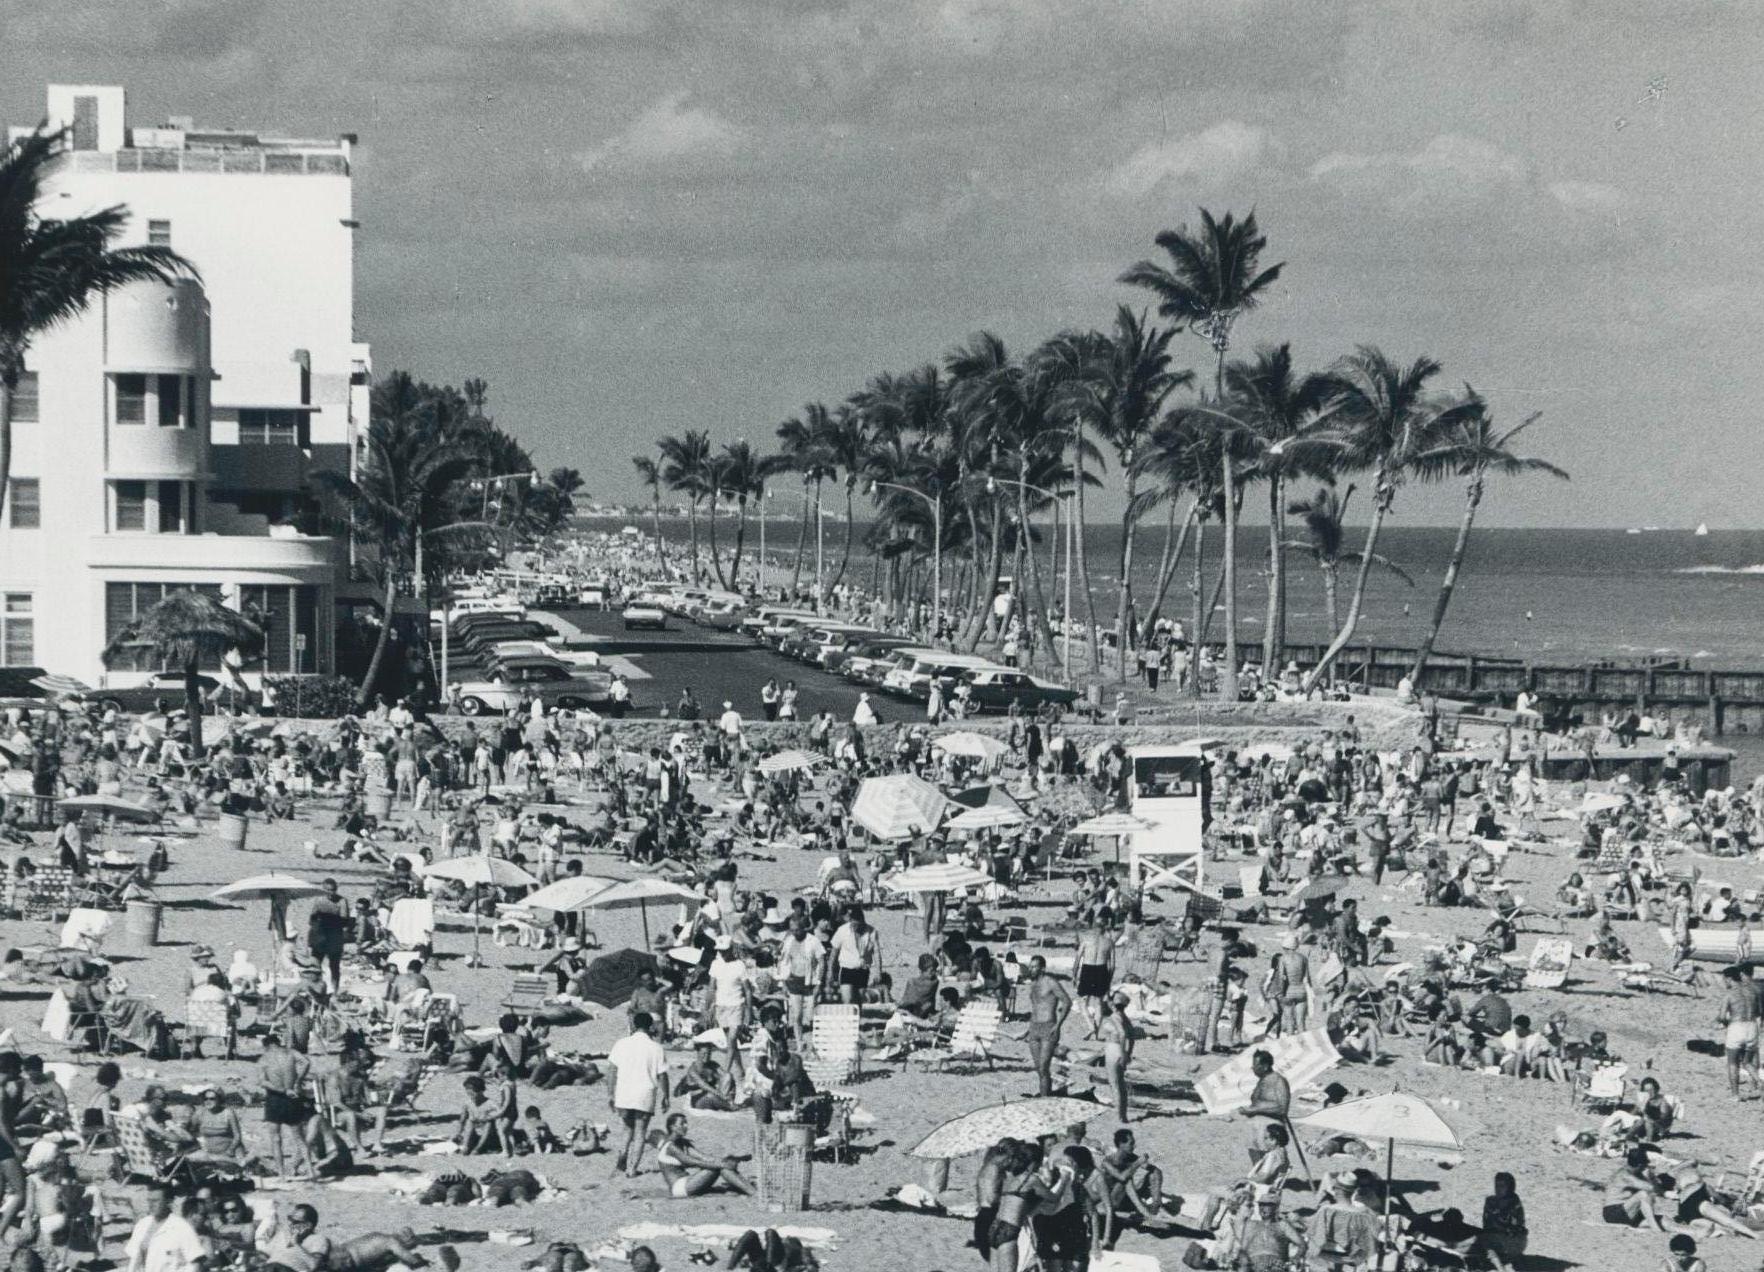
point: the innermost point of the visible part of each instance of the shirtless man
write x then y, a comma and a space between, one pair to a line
1096, 970
1739, 1014
1049, 1005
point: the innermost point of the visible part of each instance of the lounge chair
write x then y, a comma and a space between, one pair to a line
834, 1055
975, 1034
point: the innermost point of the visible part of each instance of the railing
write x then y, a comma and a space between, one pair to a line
272, 162
1474, 676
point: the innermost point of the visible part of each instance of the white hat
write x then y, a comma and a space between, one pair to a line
727, 705
774, 917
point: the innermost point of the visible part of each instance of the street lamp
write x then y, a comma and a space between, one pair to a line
1058, 497
936, 506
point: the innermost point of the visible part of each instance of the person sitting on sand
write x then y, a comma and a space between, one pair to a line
1635, 1194
480, 1122
1657, 1112
690, 1174
1134, 1184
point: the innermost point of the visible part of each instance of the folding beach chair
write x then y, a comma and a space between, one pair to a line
1601, 1089
207, 1018
529, 995
975, 1034
834, 1055
1548, 965
141, 1159
50, 893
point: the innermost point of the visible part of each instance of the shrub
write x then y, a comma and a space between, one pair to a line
315, 697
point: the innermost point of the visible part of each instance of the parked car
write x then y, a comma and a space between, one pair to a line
996, 688
641, 614
914, 679
723, 615
480, 639
866, 649
504, 650
544, 678
554, 596
161, 685
874, 670
766, 616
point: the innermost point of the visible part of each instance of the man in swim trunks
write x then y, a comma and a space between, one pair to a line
1739, 1014
1096, 968
1049, 1005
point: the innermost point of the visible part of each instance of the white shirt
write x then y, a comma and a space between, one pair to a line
145, 1227
640, 1064
728, 975
852, 950
730, 722
174, 1247
801, 958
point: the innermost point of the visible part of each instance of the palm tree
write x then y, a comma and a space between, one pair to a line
405, 496
740, 472
1278, 409
1077, 354
1473, 449
649, 473
185, 630
568, 483
846, 443
686, 469
1212, 279
1183, 459
1324, 516
975, 371
1135, 382
52, 270
803, 439
1380, 415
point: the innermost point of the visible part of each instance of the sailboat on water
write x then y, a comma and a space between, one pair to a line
1702, 530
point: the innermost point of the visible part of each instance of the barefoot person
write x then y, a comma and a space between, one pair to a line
282, 1074
1049, 1005
688, 1172
638, 1087
1739, 1017
1096, 970
1116, 1032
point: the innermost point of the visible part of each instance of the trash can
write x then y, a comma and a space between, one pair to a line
232, 829
379, 804
785, 1166
141, 922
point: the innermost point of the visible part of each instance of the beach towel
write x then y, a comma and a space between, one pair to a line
86, 929
57, 1017
413, 921
718, 1235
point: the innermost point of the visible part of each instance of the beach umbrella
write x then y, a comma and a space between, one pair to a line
611, 979
898, 805
1318, 889
1395, 1117
639, 893
789, 761
940, 876
974, 745
276, 888
109, 806
1599, 802
989, 817
1116, 824
978, 1130
480, 871
61, 686
568, 893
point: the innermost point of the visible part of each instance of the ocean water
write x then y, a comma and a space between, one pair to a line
1549, 596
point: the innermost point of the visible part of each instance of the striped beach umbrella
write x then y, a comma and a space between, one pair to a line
62, 686
939, 876
789, 761
989, 817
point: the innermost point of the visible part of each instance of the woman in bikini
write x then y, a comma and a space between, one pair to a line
688, 1174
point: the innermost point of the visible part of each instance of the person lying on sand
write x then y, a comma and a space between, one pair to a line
768, 1252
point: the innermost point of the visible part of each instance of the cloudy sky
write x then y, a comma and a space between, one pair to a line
638, 216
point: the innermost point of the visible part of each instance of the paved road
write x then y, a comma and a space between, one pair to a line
719, 667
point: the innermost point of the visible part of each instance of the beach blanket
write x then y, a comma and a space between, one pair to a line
719, 1235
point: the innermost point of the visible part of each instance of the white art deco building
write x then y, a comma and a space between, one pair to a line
166, 439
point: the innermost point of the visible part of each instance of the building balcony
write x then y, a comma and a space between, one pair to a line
319, 160
309, 557
157, 328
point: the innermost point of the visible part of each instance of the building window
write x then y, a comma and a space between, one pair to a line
17, 631
85, 124
24, 505
171, 507
289, 618
269, 428
124, 603
131, 505
170, 401
24, 399
159, 233
131, 399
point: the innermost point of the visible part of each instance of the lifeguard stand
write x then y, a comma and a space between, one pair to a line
1169, 787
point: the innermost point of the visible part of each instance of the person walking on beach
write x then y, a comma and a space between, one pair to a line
1096, 970
282, 1074
1049, 1005
638, 1087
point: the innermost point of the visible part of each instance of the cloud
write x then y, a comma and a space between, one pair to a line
1206, 159
1450, 166
1588, 196
666, 131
